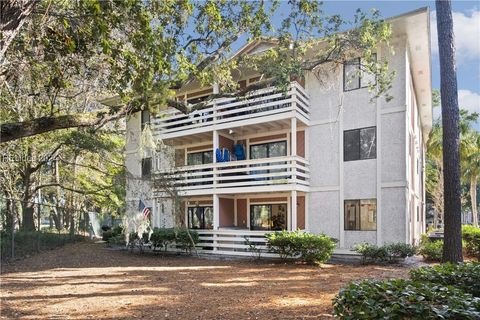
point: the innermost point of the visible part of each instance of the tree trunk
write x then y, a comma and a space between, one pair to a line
452, 248
28, 222
473, 200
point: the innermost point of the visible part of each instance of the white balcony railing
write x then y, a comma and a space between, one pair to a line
230, 111
244, 173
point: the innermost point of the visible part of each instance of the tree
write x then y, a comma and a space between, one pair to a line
471, 165
452, 249
72, 56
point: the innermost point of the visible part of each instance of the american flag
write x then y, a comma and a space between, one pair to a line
144, 209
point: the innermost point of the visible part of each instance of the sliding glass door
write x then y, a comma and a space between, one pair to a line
268, 217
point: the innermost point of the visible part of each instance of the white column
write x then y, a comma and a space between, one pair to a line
216, 212
294, 210
307, 206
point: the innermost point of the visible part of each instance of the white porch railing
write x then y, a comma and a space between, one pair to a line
227, 111
233, 242
244, 173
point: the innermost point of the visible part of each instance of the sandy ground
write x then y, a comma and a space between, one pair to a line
89, 281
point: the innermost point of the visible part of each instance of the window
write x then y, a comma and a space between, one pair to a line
146, 166
198, 158
354, 77
361, 215
268, 150
360, 144
200, 217
145, 118
268, 217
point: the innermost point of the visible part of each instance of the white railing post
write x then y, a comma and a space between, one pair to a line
293, 147
216, 219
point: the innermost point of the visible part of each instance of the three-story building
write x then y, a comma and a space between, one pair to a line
322, 157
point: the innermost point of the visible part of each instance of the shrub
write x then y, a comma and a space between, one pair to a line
309, 247
284, 243
464, 276
184, 241
471, 238
107, 235
117, 240
118, 229
431, 250
161, 237
404, 299
387, 253
315, 249
146, 237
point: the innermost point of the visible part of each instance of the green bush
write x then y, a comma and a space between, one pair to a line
388, 253
311, 248
119, 229
284, 243
315, 249
117, 240
471, 239
464, 276
431, 250
30, 242
162, 237
107, 235
184, 241
404, 299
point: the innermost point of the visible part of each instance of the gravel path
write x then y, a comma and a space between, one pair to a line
88, 281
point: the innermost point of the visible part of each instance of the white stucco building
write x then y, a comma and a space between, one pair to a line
324, 157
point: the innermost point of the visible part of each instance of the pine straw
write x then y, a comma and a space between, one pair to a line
88, 281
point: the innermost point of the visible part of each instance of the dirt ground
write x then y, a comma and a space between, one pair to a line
89, 281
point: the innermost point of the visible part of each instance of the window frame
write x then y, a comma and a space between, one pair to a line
203, 157
359, 144
268, 148
252, 227
360, 73
358, 215
202, 223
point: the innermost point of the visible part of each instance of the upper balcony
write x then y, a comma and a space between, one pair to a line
259, 175
260, 106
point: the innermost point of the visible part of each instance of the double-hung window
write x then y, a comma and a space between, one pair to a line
360, 144
355, 76
146, 167
268, 150
145, 118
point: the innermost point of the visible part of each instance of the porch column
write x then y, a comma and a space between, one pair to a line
294, 210
215, 147
216, 211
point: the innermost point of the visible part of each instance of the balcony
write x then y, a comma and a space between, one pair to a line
261, 106
259, 175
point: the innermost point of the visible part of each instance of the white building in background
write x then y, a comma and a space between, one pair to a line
324, 157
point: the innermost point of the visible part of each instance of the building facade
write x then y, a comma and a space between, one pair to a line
323, 157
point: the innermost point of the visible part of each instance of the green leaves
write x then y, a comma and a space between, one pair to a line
388, 253
404, 299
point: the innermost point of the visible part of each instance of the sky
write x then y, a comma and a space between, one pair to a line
466, 20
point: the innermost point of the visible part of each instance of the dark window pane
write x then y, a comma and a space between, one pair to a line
258, 151
279, 216
260, 217
268, 217
368, 143
200, 217
351, 145
360, 215
351, 76
207, 157
277, 149
351, 212
368, 215
368, 78
146, 166
145, 118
